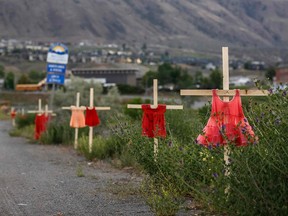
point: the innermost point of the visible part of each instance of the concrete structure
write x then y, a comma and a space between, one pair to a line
112, 75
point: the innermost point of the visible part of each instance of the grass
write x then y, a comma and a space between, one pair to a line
27, 132
79, 171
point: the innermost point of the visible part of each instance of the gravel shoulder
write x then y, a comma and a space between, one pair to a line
44, 180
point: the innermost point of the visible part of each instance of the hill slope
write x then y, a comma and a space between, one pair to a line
179, 23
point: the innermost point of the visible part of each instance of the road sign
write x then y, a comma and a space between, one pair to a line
56, 78
56, 68
58, 53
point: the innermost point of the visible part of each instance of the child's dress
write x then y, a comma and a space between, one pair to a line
153, 121
77, 118
41, 121
227, 124
91, 117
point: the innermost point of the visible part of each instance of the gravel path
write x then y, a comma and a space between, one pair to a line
38, 180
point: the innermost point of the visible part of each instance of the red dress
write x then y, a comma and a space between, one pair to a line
153, 121
91, 117
40, 125
227, 123
13, 114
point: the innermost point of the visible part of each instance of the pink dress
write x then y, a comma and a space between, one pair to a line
227, 124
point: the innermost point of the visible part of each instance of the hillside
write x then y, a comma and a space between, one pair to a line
200, 25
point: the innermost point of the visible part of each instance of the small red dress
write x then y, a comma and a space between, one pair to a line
91, 117
227, 123
41, 121
13, 114
153, 121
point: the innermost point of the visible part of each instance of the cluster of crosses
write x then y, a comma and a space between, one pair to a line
225, 92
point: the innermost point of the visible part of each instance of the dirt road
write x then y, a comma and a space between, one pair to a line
37, 180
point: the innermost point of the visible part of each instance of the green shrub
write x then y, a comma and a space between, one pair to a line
24, 120
27, 132
58, 132
127, 89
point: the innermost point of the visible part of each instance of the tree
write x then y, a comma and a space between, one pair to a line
164, 73
175, 75
185, 80
270, 73
197, 79
9, 81
36, 76
215, 79
24, 79
2, 71
147, 80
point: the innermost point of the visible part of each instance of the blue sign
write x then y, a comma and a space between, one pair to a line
56, 68
56, 78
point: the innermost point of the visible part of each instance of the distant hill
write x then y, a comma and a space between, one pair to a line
195, 24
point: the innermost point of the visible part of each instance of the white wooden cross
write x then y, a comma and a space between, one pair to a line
226, 93
77, 107
154, 106
13, 118
91, 105
40, 110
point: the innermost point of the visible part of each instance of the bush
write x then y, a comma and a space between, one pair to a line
24, 120
58, 131
127, 89
257, 184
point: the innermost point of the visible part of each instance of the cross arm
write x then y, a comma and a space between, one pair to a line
205, 92
84, 108
139, 106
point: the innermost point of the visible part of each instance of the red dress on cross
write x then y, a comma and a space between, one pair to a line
153, 121
40, 124
91, 117
227, 124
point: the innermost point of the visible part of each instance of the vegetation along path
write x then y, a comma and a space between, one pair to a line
42, 180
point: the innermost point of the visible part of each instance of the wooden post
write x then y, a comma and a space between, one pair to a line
154, 106
77, 129
13, 116
91, 128
225, 65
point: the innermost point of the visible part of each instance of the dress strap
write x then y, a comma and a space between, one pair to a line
237, 92
214, 92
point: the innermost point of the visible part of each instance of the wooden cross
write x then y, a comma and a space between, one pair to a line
40, 111
77, 107
22, 111
91, 105
13, 116
226, 93
154, 106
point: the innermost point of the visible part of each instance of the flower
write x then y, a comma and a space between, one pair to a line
270, 91
215, 175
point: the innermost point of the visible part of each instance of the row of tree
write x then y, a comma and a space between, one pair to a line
25, 78
168, 74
